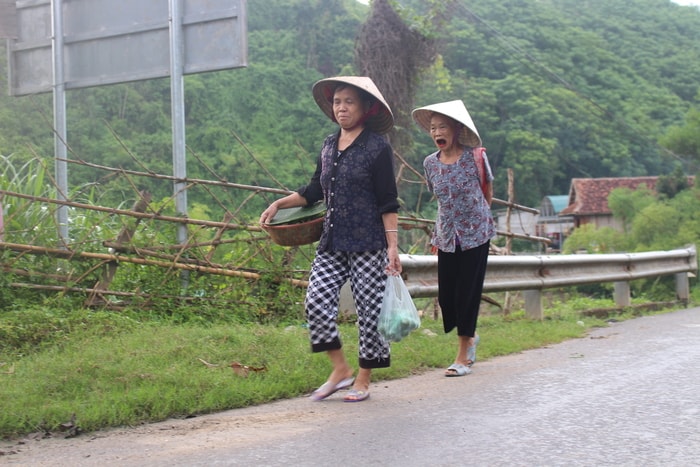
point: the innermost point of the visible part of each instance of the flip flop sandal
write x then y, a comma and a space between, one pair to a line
327, 389
354, 395
457, 369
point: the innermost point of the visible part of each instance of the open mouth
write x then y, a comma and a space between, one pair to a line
440, 141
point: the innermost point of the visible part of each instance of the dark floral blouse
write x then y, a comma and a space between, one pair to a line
358, 186
464, 217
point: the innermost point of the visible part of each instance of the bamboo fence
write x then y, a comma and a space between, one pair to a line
100, 259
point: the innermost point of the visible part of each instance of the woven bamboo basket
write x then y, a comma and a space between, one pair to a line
297, 226
301, 233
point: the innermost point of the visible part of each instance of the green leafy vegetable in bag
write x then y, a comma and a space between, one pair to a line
399, 315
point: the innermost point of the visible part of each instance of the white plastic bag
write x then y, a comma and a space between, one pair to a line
398, 316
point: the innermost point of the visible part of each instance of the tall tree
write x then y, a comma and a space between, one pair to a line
393, 54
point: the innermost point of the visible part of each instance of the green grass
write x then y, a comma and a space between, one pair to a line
112, 369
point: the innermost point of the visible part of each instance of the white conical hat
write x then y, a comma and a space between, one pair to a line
456, 110
323, 90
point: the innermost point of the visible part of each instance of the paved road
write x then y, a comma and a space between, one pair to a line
626, 395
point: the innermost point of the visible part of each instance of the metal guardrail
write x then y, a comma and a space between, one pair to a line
535, 273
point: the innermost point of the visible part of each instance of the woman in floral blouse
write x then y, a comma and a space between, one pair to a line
464, 224
355, 177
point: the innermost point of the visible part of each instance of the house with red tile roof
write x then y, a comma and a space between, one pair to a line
588, 198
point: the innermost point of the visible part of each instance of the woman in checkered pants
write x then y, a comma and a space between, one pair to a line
355, 177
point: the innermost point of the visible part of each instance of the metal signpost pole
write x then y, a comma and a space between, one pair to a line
177, 103
59, 116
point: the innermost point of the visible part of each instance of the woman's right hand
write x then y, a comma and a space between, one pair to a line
289, 201
268, 214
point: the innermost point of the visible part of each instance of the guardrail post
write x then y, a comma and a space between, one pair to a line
621, 294
533, 304
346, 304
682, 287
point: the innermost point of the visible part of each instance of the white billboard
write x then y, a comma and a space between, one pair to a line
115, 41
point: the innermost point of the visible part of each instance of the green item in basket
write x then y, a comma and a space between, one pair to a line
299, 214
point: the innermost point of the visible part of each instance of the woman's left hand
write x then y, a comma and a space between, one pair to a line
394, 266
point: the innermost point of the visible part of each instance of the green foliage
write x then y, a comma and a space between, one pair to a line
28, 222
655, 289
655, 227
24, 220
625, 204
29, 330
670, 185
589, 239
668, 224
7, 297
684, 140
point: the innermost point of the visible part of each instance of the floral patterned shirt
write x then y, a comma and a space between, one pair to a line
464, 218
358, 186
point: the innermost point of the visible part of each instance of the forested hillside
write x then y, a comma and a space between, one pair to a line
557, 88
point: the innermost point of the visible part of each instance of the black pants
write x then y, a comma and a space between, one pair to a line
460, 283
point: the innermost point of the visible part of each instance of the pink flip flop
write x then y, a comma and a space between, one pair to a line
327, 389
354, 395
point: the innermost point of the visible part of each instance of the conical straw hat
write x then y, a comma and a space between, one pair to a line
456, 110
323, 90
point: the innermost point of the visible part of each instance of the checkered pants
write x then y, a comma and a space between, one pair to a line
366, 271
